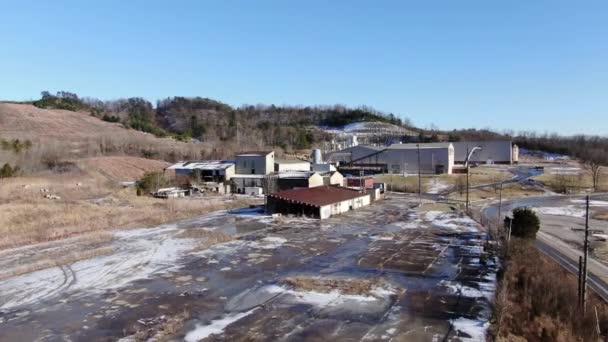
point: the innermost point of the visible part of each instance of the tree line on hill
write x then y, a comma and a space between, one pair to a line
203, 119
291, 127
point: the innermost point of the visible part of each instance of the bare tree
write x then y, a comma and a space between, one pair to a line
594, 159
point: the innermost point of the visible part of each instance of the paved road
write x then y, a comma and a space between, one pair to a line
548, 242
563, 254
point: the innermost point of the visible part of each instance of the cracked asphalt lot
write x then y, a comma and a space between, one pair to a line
387, 272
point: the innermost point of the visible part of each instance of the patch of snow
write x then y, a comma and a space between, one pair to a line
437, 186
486, 289
561, 211
381, 237
565, 170
216, 326
602, 237
139, 253
592, 203
450, 220
270, 242
475, 329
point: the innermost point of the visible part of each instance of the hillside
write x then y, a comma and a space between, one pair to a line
62, 134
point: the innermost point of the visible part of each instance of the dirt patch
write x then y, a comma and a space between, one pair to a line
161, 328
208, 237
601, 214
324, 285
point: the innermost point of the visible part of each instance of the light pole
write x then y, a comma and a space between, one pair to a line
466, 164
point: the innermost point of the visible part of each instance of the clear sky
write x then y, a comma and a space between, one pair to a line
518, 64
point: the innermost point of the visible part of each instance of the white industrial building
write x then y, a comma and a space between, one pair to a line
283, 165
490, 152
205, 171
434, 158
255, 163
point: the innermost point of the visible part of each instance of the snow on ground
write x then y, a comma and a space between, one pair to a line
486, 289
452, 221
437, 186
328, 299
561, 211
215, 327
565, 170
139, 254
476, 329
592, 203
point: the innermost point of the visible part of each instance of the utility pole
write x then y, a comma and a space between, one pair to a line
419, 180
467, 205
499, 210
585, 257
361, 173
579, 291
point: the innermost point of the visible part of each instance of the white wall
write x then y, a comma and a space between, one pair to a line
315, 180
497, 151
262, 165
281, 167
344, 206
229, 172
336, 179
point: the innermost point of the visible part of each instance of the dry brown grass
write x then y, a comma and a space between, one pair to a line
600, 214
207, 238
479, 176
122, 168
28, 218
509, 191
64, 135
557, 182
164, 330
345, 286
536, 300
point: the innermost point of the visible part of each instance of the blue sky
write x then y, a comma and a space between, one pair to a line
521, 65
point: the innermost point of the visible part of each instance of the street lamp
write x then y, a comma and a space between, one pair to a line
466, 164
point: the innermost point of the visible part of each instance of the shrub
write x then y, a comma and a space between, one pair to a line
110, 118
525, 223
63, 100
8, 171
150, 182
15, 145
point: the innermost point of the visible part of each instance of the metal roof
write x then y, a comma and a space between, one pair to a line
295, 174
415, 146
318, 196
290, 161
254, 153
249, 176
202, 165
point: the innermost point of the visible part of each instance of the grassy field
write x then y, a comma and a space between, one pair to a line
478, 176
90, 201
572, 178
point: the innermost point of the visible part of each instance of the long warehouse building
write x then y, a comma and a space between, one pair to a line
491, 152
435, 158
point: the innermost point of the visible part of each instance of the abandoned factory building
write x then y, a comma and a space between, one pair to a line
319, 202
